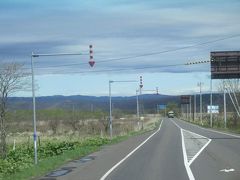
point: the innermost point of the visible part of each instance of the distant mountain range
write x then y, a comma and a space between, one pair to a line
92, 102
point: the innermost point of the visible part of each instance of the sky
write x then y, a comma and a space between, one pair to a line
130, 38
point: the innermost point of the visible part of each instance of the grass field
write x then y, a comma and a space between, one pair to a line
55, 151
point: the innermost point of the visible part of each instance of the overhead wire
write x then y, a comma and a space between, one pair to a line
146, 54
140, 55
124, 69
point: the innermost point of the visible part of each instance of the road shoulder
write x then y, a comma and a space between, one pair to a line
95, 165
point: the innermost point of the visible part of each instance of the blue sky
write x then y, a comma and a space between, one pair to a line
117, 29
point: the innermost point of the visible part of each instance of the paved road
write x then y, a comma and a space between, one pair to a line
222, 153
177, 151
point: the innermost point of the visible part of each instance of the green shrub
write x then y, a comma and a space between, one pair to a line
22, 157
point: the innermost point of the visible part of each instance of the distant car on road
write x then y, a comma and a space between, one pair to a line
170, 114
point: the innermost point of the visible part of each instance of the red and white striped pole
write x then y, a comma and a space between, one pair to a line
141, 105
141, 84
91, 61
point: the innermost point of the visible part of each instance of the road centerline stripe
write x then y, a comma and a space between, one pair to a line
128, 155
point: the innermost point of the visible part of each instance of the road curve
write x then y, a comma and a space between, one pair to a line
179, 150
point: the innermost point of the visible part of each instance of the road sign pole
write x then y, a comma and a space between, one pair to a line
138, 115
190, 108
211, 123
225, 108
195, 107
110, 110
110, 105
200, 86
34, 112
201, 105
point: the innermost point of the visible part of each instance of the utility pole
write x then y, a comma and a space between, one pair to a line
200, 86
195, 106
110, 109
190, 108
225, 107
211, 123
34, 112
141, 105
138, 115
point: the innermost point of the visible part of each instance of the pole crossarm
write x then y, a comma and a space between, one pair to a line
58, 54
122, 81
149, 90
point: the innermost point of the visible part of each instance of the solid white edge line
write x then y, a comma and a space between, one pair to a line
187, 166
221, 132
176, 124
128, 155
210, 129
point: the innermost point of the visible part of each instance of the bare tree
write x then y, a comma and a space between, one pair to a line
104, 121
11, 81
233, 88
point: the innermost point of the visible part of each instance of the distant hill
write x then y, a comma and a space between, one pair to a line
92, 102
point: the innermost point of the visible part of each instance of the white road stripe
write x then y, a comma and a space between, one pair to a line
127, 156
189, 171
186, 163
199, 152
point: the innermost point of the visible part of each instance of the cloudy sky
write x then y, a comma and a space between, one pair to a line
130, 38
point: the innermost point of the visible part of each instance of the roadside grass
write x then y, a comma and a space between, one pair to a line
51, 163
218, 127
229, 130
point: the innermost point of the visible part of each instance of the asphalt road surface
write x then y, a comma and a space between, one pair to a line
176, 151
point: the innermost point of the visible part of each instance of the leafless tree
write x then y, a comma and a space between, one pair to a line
104, 121
11, 81
53, 124
233, 88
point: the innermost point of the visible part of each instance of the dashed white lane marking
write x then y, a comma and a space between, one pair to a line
192, 145
127, 156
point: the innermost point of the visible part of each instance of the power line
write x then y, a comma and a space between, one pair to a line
142, 55
125, 69
148, 54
